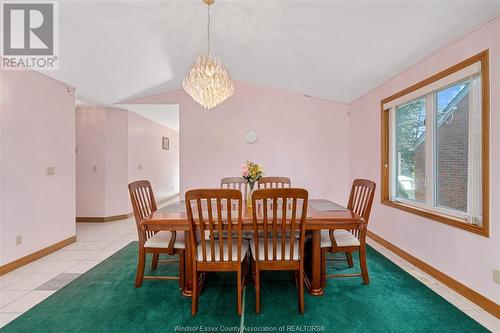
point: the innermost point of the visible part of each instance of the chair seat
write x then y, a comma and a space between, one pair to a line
296, 255
343, 238
162, 238
234, 249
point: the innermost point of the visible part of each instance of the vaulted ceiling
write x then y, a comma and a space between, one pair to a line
116, 50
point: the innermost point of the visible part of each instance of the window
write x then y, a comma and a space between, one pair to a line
435, 147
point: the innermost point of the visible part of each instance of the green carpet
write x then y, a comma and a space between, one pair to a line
105, 300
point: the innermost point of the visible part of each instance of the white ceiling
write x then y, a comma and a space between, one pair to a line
115, 50
163, 114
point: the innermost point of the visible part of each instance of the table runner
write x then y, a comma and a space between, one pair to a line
326, 206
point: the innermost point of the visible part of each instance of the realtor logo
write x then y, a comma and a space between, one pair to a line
29, 35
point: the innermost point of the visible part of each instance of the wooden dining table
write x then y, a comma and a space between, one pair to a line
322, 214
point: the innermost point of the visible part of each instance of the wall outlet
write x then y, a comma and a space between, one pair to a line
496, 275
50, 171
19, 239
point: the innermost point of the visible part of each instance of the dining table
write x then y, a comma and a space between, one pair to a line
322, 214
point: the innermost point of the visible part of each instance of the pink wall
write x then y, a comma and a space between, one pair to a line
466, 257
90, 161
116, 147
300, 137
111, 144
147, 159
101, 162
37, 130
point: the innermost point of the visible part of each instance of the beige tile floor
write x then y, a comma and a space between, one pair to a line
98, 241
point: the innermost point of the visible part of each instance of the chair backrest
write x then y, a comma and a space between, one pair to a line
361, 199
281, 212
143, 202
237, 183
274, 182
210, 212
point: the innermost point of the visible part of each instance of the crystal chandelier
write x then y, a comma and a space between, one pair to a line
208, 82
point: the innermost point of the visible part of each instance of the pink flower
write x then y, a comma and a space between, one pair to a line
244, 171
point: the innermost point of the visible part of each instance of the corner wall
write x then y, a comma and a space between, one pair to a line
90, 161
116, 147
101, 159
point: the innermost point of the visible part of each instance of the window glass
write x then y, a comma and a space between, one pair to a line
410, 150
452, 146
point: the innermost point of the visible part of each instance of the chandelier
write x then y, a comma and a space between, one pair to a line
208, 82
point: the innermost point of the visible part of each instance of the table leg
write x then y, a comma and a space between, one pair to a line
313, 274
187, 290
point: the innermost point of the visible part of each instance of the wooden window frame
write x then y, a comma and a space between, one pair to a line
484, 229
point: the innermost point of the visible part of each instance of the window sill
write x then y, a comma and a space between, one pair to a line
446, 219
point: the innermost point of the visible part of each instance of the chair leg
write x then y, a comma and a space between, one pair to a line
244, 271
257, 290
301, 289
154, 262
181, 269
362, 264
140, 268
323, 268
239, 282
194, 296
349, 259
253, 270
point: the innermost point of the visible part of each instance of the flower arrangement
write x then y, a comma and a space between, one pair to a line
252, 172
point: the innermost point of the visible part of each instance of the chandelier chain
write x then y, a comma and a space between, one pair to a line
208, 30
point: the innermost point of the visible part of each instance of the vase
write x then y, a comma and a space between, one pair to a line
249, 194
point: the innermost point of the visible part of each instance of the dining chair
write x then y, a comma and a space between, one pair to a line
348, 241
274, 182
215, 253
237, 183
276, 248
160, 242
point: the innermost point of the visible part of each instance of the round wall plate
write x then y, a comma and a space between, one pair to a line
251, 137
